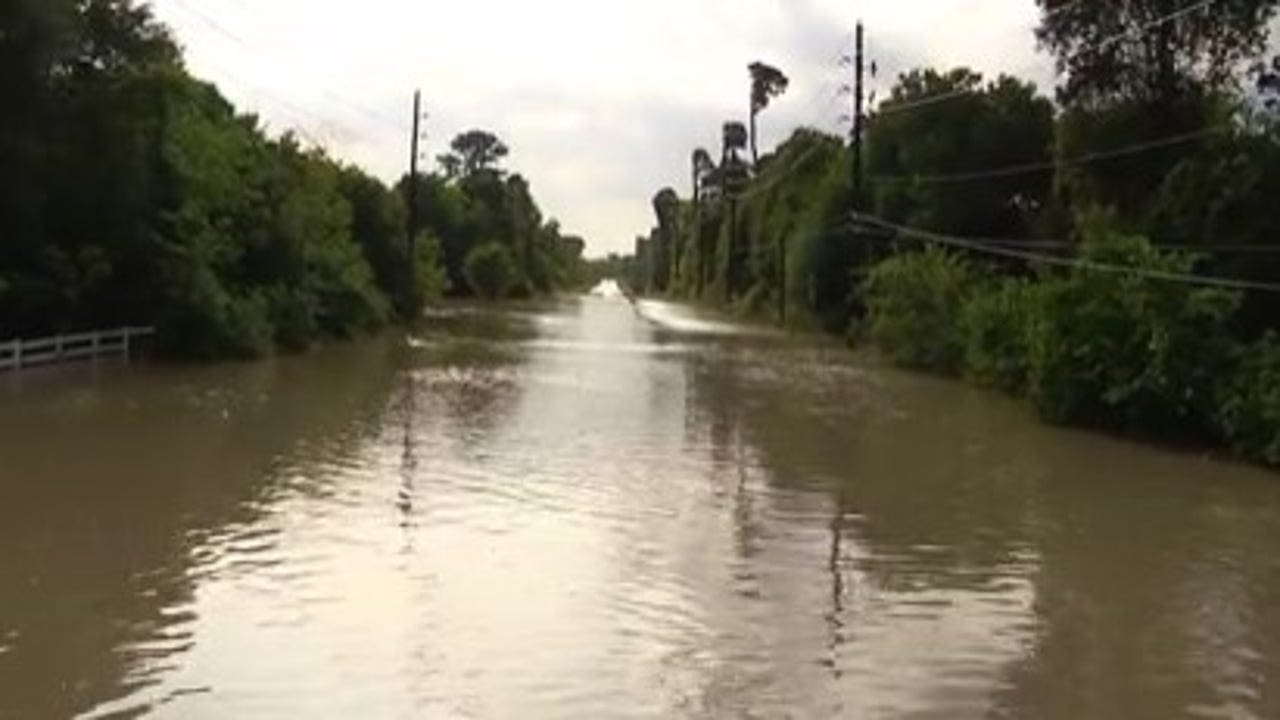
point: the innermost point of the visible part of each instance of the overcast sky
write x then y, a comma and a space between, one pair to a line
601, 101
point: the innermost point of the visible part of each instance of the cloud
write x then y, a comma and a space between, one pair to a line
601, 102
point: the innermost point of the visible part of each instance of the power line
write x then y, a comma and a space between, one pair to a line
260, 93
1151, 24
773, 180
1196, 248
1102, 44
1211, 249
236, 38
1074, 263
1050, 12
1026, 168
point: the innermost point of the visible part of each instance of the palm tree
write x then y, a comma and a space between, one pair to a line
767, 82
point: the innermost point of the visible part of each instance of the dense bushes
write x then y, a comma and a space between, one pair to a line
1112, 343
995, 322
491, 272
1121, 350
1248, 414
915, 303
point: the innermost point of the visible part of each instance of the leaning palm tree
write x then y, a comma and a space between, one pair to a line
733, 138
767, 82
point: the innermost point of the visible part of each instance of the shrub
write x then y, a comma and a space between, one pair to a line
914, 303
1248, 415
1125, 351
995, 321
491, 271
432, 280
293, 315
202, 320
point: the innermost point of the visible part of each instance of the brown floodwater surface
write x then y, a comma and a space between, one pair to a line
584, 510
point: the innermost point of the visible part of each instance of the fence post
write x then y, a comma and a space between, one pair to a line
126, 344
93, 346
57, 348
17, 354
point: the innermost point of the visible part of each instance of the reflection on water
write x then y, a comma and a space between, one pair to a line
589, 509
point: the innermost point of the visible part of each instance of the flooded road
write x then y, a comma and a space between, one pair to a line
581, 510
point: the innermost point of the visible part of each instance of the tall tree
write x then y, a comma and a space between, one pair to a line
733, 139
1004, 123
703, 168
733, 176
666, 237
1144, 71
474, 151
1150, 50
767, 82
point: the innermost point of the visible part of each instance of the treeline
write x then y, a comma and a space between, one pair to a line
132, 193
1112, 253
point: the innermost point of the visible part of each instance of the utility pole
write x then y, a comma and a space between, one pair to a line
857, 119
411, 190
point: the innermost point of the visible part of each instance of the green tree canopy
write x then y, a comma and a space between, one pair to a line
1150, 50
921, 160
472, 152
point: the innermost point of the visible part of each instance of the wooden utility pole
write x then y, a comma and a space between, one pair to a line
857, 119
411, 190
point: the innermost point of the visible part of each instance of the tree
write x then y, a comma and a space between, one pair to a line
700, 164
733, 138
134, 194
472, 152
665, 238
1150, 50
767, 82
734, 175
1004, 123
702, 168
450, 165
1140, 72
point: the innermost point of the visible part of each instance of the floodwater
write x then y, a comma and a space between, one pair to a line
585, 510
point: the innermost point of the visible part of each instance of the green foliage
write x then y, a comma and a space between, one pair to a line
432, 281
1001, 124
472, 152
491, 272
996, 322
1193, 51
479, 203
133, 194
1127, 183
204, 321
1125, 351
1248, 414
915, 308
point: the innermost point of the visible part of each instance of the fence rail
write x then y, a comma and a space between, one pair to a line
18, 354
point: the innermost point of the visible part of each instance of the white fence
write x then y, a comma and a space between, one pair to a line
18, 354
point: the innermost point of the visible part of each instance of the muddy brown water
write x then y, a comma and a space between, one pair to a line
582, 510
